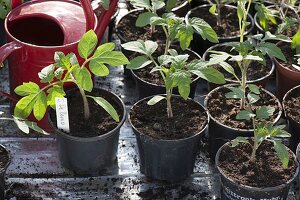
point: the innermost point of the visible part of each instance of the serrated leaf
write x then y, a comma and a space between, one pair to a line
252, 98
148, 47
47, 74
25, 125
104, 48
27, 89
227, 67
238, 141
245, 115
157, 4
282, 153
84, 79
141, 3
144, 19
87, 44
112, 58
54, 92
185, 36
99, 69
138, 63
40, 106
264, 112
154, 100
271, 49
24, 106
170, 5
236, 93
254, 88
204, 29
107, 107
210, 74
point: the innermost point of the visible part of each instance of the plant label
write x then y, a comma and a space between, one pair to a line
62, 115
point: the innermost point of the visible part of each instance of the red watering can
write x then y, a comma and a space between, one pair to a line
37, 29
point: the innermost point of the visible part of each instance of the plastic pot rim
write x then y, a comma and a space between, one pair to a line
223, 38
265, 189
205, 55
284, 102
165, 140
238, 129
100, 137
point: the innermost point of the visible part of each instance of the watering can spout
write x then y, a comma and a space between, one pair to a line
103, 18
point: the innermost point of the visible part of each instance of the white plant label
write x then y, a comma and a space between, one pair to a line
62, 115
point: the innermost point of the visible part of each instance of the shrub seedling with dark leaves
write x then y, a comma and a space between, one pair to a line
67, 69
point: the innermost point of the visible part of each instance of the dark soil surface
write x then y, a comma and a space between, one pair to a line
153, 121
127, 30
290, 32
224, 110
255, 71
266, 171
289, 53
292, 105
155, 77
4, 159
229, 26
99, 123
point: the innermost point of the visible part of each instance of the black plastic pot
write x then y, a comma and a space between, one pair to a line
3, 169
199, 45
233, 191
170, 160
219, 134
259, 82
2, 32
93, 155
294, 126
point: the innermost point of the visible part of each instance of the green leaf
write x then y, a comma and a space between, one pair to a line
157, 4
99, 69
239, 140
104, 48
40, 106
53, 92
264, 112
148, 47
271, 49
25, 125
210, 74
138, 63
236, 93
204, 29
24, 106
254, 88
105, 4
154, 100
282, 153
296, 67
141, 3
27, 89
47, 74
170, 5
154, 20
84, 79
213, 9
252, 98
185, 36
112, 58
245, 115
107, 107
87, 44
228, 68
144, 19
296, 42
182, 80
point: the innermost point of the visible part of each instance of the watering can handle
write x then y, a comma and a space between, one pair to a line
5, 51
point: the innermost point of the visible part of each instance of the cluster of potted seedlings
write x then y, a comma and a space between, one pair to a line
240, 116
